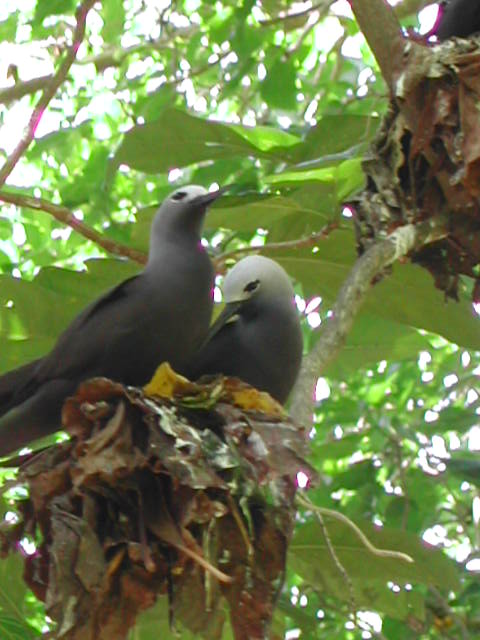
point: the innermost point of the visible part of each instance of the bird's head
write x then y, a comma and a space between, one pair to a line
256, 279
254, 286
182, 213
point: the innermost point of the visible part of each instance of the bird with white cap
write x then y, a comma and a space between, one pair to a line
257, 337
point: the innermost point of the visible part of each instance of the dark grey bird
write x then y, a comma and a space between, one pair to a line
162, 314
257, 337
459, 18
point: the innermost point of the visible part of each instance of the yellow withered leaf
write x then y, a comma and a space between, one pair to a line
166, 383
250, 399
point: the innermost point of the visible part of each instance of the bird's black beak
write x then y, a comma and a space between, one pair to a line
207, 199
227, 315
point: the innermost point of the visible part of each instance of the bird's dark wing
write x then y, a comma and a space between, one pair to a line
13, 382
110, 298
20, 383
78, 346
35, 416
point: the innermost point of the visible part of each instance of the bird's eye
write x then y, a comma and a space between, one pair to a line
179, 195
251, 286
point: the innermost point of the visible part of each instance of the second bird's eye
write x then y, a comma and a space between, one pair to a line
251, 286
180, 195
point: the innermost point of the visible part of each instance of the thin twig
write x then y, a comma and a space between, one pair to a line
293, 16
241, 526
64, 215
50, 90
198, 71
318, 512
330, 513
307, 241
114, 56
200, 560
349, 301
301, 39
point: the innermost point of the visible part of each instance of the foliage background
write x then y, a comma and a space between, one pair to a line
279, 100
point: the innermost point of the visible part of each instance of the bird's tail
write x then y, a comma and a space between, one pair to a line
16, 385
37, 416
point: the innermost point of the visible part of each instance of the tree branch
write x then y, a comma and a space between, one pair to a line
109, 57
20, 89
307, 241
323, 4
449, 611
64, 215
50, 90
383, 33
349, 301
103, 61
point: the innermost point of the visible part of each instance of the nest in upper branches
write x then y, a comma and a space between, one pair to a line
425, 162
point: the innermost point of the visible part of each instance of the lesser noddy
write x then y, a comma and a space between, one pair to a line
257, 337
162, 314
459, 18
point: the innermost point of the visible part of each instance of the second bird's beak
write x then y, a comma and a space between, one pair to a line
229, 314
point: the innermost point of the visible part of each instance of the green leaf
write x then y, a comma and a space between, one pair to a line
337, 449
178, 139
334, 134
153, 624
413, 300
52, 7
62, 142
310, 558
252, 213
15, 629
8, 27
266, 138
398, 630
407, 297
347, 177
465, 465
459, 419
278, 89
13, 608
373, 339
357, 475
113, 20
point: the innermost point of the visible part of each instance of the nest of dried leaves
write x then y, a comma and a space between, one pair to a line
425, 163
178, 490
